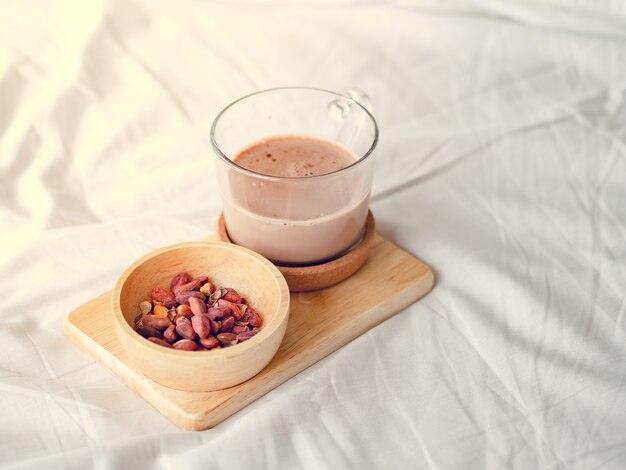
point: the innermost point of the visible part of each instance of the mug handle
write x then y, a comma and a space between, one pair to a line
360, 97
339, 110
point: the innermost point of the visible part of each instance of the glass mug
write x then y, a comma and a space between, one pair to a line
296, 220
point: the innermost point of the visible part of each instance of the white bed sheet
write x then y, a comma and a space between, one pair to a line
502, 164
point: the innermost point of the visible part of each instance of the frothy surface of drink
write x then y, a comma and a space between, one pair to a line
295, 157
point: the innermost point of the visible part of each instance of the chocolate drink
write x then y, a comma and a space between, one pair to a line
323, 227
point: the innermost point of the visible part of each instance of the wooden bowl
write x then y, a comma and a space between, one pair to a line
254, 277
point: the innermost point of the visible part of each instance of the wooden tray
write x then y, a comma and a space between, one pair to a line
320, 322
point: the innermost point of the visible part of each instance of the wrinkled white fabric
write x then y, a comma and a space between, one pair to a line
502, 164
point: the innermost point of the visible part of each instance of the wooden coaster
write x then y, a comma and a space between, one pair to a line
320, 322
320, 276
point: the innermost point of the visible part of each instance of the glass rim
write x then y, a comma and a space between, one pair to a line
255, 174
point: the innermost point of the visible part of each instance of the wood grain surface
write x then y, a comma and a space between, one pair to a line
320, 322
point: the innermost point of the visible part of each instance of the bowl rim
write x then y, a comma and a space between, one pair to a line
266, 331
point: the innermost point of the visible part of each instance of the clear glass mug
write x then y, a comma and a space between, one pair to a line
296, 220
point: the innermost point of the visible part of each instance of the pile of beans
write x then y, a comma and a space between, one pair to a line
195, 315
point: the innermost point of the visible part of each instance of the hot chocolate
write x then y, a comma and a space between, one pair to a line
323, 227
